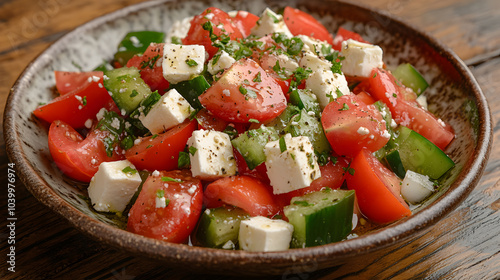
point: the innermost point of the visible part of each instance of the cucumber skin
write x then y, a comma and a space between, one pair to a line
420, 155
122, 92
219, 226
251, 144
324, 222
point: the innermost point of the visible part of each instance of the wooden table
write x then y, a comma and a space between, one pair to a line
464, 245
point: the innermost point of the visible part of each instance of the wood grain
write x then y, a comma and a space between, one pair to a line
464, 245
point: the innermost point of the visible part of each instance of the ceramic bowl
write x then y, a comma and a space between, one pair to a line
454, 94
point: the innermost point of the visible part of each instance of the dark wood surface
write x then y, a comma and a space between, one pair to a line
464, 245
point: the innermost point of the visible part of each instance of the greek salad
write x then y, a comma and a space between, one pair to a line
253, 132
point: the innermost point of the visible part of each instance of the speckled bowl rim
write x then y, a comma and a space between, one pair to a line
206, 258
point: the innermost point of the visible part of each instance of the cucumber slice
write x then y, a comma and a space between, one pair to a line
219, 227
305, 99
283, 119
251, 144
191, 89
411, 78
135, 43
320, 217
421, 155
127, 88
393, 160
304, 124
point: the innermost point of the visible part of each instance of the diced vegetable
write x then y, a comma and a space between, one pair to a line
127, 88
321, 217
420, 155
251, 144
411, 78
136, 42
219, 227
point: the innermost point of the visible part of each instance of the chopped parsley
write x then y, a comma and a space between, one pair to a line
129, 170
345, 107
184, 161
170, 179
160, 193
303, 203
282, 144
191, 62
192, 150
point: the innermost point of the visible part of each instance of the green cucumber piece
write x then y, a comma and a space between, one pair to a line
191, 89
393, 160
135, 43
251, 144
304, 124
305, 99
283, 119
320, 217
127, 88
220, 226
420, 155
411, 78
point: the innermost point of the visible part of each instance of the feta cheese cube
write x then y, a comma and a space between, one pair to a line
172, 109
313, 45
325, 84
268, 61
294, 168
360, 58
222, 61
113, 186
213, 157
416, 187
261, 234
181, 62
268, 23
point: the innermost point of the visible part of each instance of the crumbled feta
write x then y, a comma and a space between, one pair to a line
363, 130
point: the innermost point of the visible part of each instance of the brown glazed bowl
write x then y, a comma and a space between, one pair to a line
454, 94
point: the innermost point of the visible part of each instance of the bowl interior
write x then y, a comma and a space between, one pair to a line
454, 95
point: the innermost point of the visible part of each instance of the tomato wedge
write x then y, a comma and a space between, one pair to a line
150, 67
76, 157
161, 151
302, 23
245, 21
351, 125
245, 192
243, 93
67, 82
174, 222
377, 189
77, 106
221, 24
406, 111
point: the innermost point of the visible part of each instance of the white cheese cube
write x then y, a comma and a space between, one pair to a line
181, 62
360, 58
213, 157
422, 101
268, 23
325, 84
172, 109
222, 61
113, 186
285, 62
416, 187
313, 45
294, 168
261, 234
